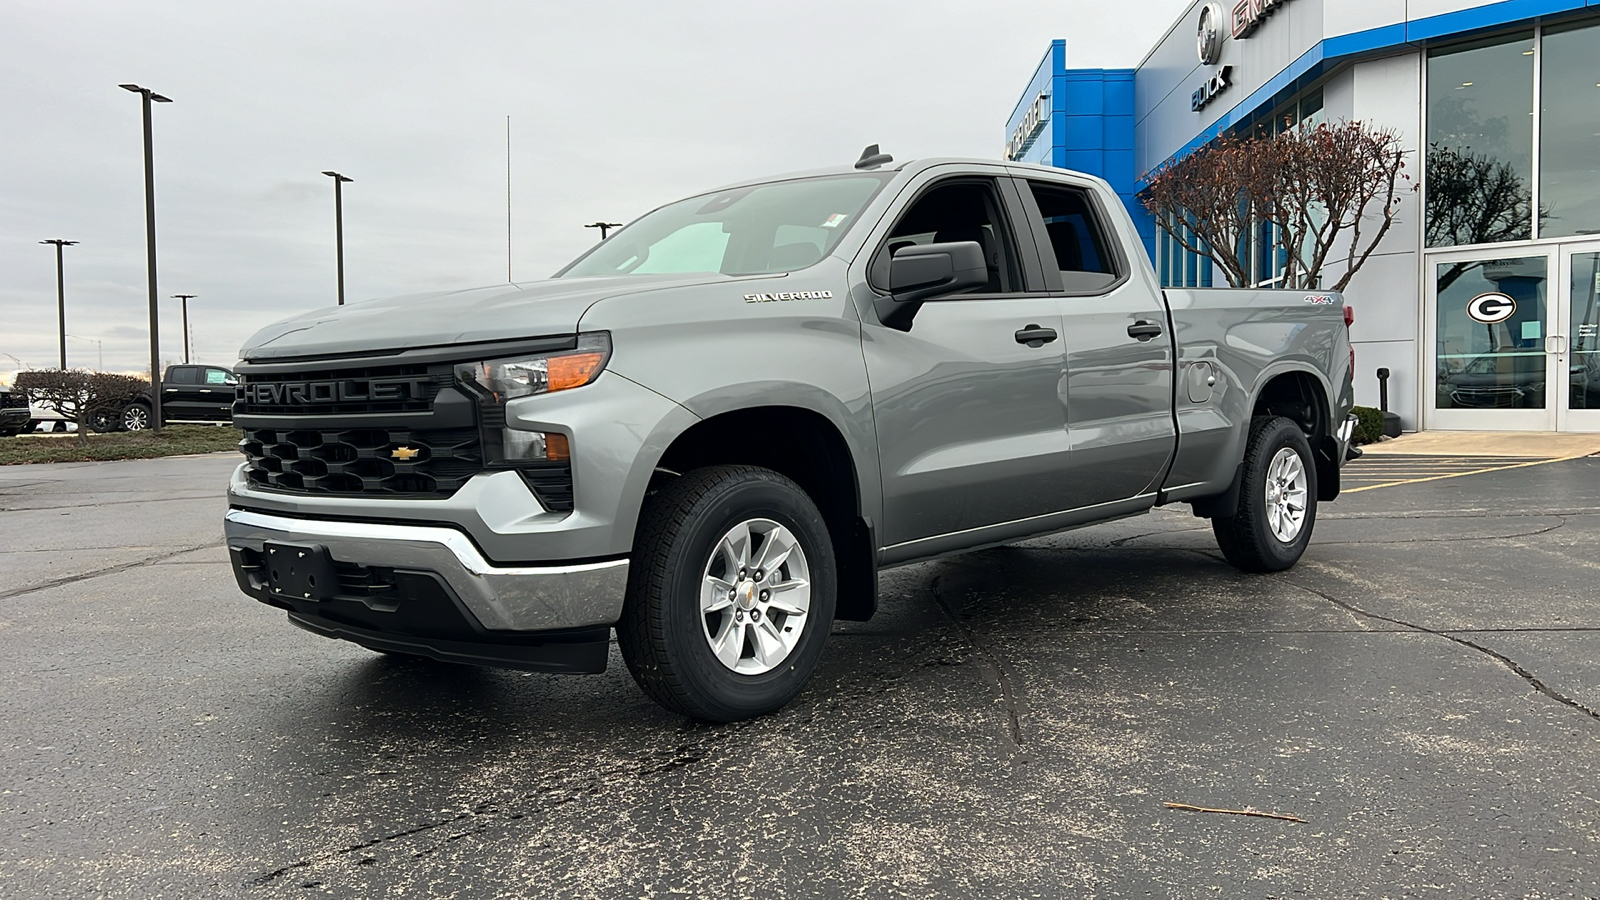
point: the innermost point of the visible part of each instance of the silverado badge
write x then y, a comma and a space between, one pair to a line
788, 295
404, 453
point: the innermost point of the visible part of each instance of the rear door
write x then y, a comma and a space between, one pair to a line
180, 393
970, 421
1118, 350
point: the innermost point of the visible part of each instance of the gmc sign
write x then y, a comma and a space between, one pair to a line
305, 393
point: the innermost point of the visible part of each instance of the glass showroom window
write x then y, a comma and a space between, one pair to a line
1480, 142
1569, 126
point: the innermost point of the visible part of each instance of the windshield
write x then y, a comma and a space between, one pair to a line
765, 228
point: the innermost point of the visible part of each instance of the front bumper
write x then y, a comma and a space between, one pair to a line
497, 600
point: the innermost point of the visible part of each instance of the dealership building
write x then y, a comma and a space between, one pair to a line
1483, 301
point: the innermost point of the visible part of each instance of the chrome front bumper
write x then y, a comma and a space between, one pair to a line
502, 598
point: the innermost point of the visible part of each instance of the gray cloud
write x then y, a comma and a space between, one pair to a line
617, 107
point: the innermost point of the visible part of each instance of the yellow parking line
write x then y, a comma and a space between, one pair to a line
1521, 465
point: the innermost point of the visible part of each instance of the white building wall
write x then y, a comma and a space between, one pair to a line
1350, 16
1387, 93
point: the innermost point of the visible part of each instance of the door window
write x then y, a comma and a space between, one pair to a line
1583, 333
957, 211
1075, 237
1491, 333
181, 375
218, 376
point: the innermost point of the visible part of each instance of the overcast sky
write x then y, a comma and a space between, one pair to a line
616, 107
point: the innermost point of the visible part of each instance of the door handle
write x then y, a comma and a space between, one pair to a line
1144, 331
1035, 336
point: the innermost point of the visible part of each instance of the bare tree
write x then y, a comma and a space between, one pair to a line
1331, 192
87, 398
1209, 201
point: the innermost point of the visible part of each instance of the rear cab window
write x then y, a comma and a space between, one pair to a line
1076, 238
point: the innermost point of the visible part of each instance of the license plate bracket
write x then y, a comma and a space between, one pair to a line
300, 571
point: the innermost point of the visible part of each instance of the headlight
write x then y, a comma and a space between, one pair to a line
497, 381
508, 379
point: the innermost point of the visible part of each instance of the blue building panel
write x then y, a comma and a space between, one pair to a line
1117, 133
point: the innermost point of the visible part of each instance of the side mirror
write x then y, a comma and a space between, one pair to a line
921, 272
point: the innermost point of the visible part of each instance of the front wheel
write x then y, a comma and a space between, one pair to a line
135, 417
1277, 500
731, 594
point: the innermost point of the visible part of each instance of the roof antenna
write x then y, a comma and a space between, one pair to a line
871, 158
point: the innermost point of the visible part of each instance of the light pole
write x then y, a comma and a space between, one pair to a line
185, 298
99, 350
338, 223
61, 296
605, 227
150, 250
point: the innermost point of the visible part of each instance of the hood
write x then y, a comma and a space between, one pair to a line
503, 312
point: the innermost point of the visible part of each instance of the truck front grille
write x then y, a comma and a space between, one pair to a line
357, 428
329, 460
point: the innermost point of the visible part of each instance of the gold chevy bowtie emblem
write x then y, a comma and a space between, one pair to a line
404, 453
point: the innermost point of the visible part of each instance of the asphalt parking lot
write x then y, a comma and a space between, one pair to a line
1422, 691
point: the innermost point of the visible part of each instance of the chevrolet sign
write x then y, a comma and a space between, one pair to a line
1032, 123
298, 393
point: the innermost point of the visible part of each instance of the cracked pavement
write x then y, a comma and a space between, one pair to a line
1421, 690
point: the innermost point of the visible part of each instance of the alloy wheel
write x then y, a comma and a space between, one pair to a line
1286, 495
755, 596
136, 418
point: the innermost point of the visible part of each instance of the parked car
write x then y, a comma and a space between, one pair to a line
713, 429
15, 416
1495, 380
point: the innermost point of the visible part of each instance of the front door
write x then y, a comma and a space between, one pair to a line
1516, 339
968, 403
1576, 339
216, 391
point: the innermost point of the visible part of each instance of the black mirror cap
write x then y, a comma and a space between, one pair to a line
919, 272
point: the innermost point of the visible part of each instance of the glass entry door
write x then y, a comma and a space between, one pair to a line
1492, 327
1576, 338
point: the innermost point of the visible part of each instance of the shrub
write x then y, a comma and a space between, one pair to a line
1369, 425
78, 394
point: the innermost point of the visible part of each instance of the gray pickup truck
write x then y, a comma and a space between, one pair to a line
713, 429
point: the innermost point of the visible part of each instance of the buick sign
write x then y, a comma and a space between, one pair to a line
1216, 84
1209, 40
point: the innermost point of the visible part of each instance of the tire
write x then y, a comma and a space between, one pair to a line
1277, 504
135, 417
104, 419
715, 657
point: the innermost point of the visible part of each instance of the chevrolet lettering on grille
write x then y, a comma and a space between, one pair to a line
291, 393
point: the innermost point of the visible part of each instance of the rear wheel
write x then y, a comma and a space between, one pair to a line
103, 419
1277, 500
731, 594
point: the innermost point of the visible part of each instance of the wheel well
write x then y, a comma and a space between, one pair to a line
804, 446
1299, 397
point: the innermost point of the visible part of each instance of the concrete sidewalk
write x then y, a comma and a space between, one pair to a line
1527, 444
